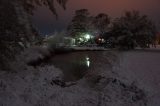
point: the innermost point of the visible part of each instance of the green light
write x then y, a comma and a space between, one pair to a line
87, 36
80, 39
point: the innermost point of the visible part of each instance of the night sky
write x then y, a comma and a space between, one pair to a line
46, 23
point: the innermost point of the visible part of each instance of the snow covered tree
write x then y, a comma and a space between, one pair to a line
79, 23
101, 22
133, 30
16, 29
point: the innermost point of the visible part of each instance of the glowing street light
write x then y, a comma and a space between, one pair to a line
87, 36
81, 39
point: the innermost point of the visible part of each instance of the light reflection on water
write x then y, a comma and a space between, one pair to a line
88, 61
76, 65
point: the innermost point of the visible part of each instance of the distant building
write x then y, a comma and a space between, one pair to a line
68, 41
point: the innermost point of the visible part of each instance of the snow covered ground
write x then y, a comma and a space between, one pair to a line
133, 81
143, 67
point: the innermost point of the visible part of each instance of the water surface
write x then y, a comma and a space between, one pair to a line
75, 65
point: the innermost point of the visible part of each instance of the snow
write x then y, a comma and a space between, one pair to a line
143, 67
35, 53
29, 86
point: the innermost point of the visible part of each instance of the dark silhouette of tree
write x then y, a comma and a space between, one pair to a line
79, 23
16, 29
133, 30
30, 5
101, 22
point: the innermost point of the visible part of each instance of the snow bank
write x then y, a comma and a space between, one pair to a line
35, 53
27, 87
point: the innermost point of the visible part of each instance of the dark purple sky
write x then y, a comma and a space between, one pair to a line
47, 23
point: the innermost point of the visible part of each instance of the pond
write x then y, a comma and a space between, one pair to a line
75, 65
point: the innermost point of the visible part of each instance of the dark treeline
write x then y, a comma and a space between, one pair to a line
126, 32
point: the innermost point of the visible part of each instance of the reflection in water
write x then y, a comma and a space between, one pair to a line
77, 64
87, 62
74, 65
